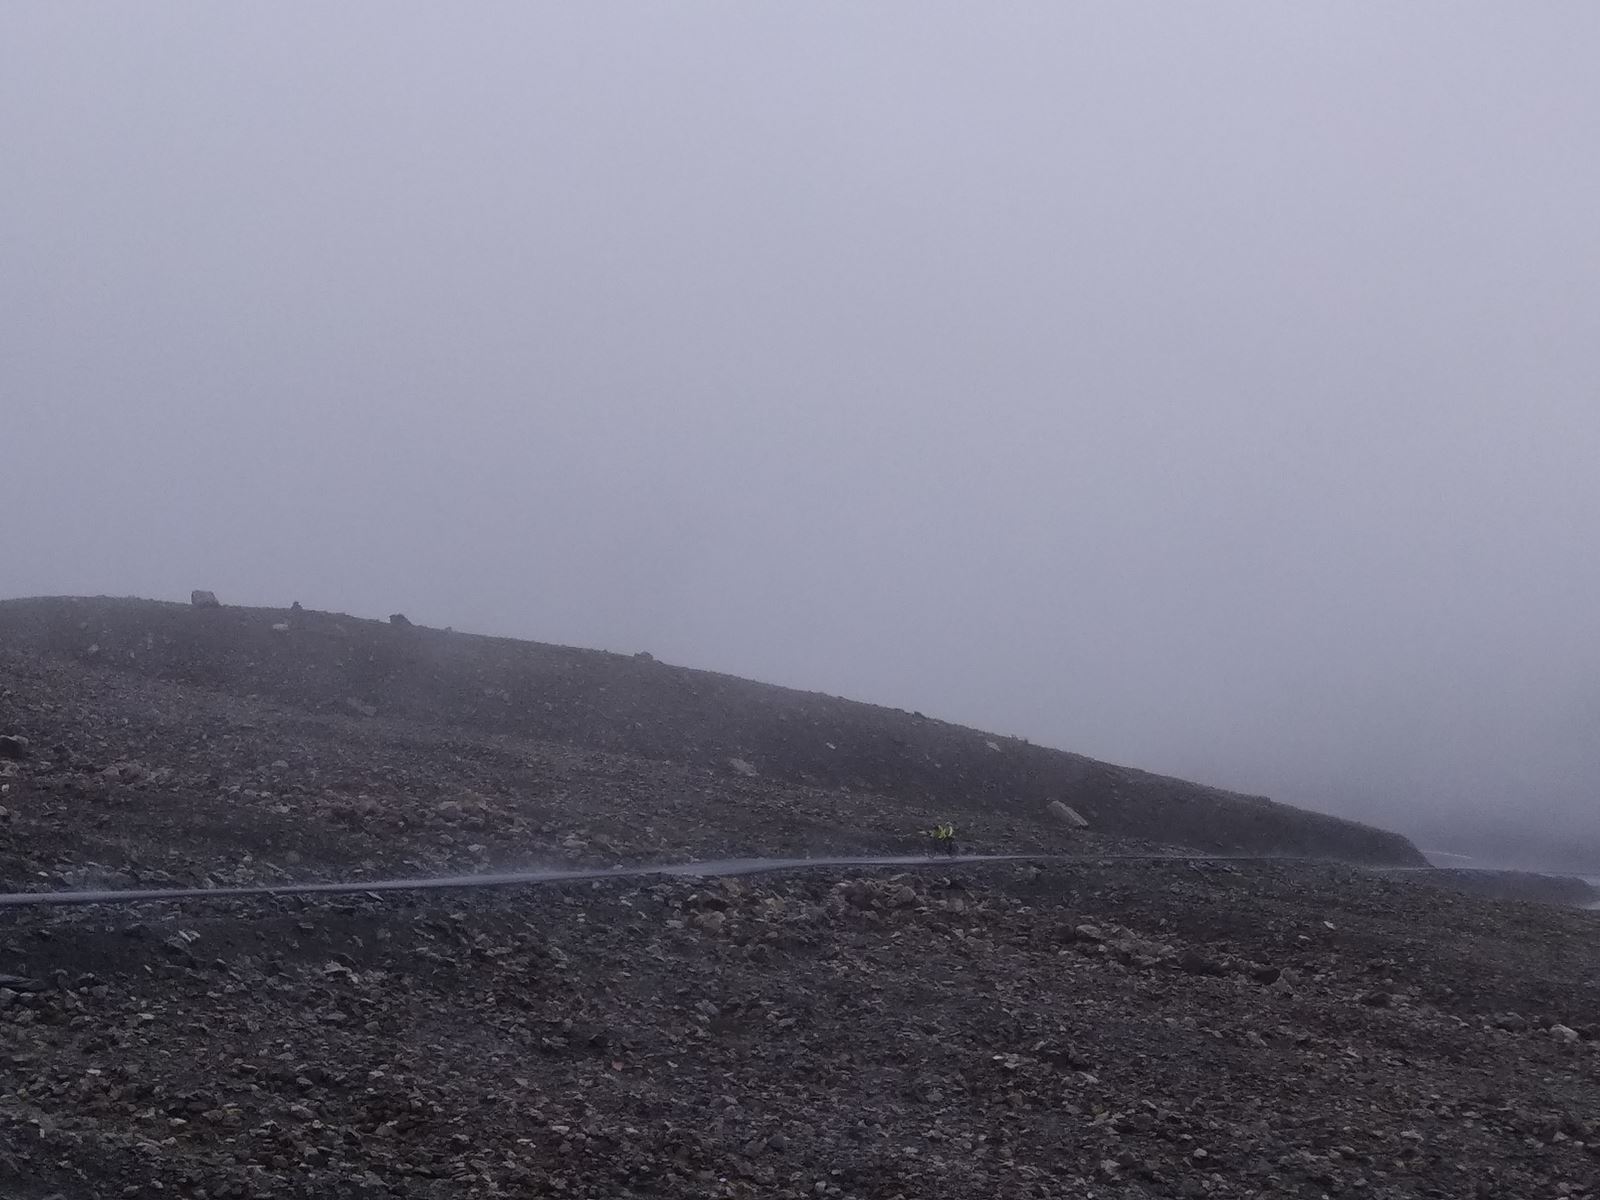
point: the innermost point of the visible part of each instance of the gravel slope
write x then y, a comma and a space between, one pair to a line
1103, 1029
465, 688
1123, 1031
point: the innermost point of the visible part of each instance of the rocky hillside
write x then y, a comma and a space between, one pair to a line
1118, 1029
352, 672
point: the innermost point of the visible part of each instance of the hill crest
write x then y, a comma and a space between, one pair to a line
362, 670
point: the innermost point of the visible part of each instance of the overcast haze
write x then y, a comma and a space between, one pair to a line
1210, 388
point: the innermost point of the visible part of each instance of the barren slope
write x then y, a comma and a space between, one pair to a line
1122, 1031
1096, 1029
870, 776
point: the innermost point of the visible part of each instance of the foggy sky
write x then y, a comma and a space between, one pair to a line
1208, 388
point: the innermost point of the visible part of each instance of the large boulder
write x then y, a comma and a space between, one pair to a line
1070, 817
204, 599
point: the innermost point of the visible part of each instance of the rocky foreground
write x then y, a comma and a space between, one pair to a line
1116, 1031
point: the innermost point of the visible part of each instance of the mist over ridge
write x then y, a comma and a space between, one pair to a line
1210, 393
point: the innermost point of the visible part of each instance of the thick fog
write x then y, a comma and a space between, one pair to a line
1208, 388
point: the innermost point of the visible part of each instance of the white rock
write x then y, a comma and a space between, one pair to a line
1069, 817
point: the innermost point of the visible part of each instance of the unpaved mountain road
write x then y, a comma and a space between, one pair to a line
1514, 884
709, 869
